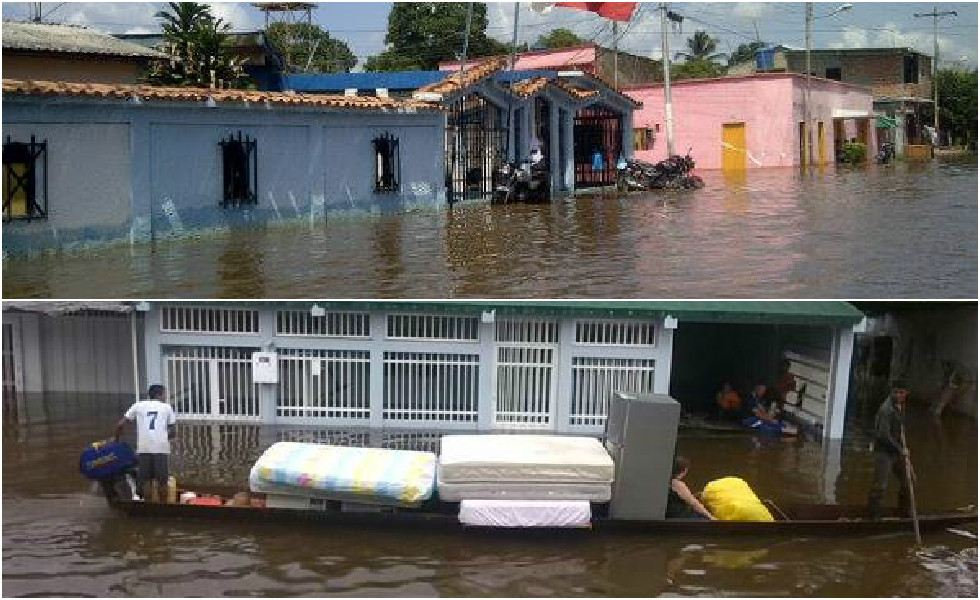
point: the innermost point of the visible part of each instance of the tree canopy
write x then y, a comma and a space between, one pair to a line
958, 105
701, 46
745, 52
199, 54
559, 38
422, 34
698, 68
297, 40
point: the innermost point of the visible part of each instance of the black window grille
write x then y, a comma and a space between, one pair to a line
911, 69
239, 171
387, 163
25, 165
834, 73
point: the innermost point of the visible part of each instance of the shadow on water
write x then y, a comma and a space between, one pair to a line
58, 539
883, 232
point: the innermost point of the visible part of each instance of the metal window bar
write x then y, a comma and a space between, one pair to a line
20, 179
475, 147
433, 327
330, 384
240, 173
210, 382
616, 333
597, 130
387, 163
544, 331
189, 319
332, 324
433, 387
525, 377
334, 437
595, 379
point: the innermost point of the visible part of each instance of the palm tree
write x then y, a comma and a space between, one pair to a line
196, 43
701, 46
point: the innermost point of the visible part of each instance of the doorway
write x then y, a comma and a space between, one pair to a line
733, 150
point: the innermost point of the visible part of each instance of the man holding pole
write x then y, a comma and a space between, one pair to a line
890, 452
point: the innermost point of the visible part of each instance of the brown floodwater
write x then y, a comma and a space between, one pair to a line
60, 540
902, 231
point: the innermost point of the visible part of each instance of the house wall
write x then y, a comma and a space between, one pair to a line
882, 72
122, 172
770, 106
94, 69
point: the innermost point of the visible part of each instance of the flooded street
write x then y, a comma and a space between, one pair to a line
901, 231
60, 540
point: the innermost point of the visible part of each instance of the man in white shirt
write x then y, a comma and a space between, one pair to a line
155, 426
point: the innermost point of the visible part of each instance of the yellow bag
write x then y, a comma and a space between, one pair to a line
731, 499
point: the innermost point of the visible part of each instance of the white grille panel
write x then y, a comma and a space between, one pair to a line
615, 333
421, 386
433, 327
208, 381
186, 319
527, 331
525, 377
595, 379
332, 324
324, 383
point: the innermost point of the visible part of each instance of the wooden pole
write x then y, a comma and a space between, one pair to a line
908, 479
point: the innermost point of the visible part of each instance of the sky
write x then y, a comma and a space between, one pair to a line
362, 24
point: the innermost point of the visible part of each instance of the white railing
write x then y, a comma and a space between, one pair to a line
595, 379
433, 327
188, 319
615, 333
527, 331
525, 387
432, 387
212, 382
332, 384
332, 324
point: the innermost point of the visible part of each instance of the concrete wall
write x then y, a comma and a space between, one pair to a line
76, 354
883, 72
94, 69
125, 171
770, 106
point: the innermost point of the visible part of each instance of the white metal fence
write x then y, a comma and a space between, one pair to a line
616, 333
595, 379
212, 382
189, 319
433, 327
332, 384
331, 324
525, 387
431, 387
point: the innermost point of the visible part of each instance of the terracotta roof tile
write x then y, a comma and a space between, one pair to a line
575, 92
470, 76
529, 87
181, 94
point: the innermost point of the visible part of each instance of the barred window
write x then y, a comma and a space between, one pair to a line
387, 163
25, 170
643, 138
239, 171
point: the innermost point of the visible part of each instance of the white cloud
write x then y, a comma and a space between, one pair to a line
891, 35
751, 10
242, 16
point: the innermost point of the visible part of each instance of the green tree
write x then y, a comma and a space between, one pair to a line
199, 54
298, 40
698, 68
701, 46
744, 53
958, 105
422, 34
559, 38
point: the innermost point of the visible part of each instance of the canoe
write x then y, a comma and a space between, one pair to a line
799, 519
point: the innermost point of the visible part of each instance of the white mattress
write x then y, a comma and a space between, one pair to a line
523, 459
524, 513
590, 492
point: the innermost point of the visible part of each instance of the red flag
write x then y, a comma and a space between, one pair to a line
614, 11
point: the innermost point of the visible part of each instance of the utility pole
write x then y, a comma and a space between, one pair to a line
665, 59
935, 14
616, 55
808, 159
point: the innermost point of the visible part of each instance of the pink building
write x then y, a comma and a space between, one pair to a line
751, 121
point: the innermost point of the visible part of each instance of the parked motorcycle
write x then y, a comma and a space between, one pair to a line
886, 153
672, 173
528, 181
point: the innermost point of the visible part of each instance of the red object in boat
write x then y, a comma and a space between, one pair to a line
205, 501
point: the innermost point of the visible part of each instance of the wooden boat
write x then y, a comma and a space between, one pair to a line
808, 519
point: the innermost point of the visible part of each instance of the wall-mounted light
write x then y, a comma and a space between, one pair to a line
488, 316
670, 322
317, 311
142, 306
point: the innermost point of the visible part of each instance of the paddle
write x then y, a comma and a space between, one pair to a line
908, 479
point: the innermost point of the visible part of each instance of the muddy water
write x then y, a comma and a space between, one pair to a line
60, 540
904, 231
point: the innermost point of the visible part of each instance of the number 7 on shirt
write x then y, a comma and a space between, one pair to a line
153, 418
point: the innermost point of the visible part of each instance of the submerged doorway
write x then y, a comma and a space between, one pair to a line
598, 143
475, 145
733, 150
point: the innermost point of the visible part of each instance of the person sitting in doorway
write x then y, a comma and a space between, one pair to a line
759, 417
729, 403
785, 385
681, 502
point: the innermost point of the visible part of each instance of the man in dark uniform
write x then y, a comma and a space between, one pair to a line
890, 453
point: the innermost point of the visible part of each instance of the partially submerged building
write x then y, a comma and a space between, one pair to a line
741, 122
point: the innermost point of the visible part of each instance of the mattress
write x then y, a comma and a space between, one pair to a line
524, 513
370, 475
589, 492
523, 459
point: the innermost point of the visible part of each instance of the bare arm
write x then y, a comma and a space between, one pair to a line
119, 428
680, 488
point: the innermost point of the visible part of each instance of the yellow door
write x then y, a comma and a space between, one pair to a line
733, 150
820, 147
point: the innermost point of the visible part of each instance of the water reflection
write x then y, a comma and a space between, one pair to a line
876, 232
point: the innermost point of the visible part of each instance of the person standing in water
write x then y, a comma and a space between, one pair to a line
155, 427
